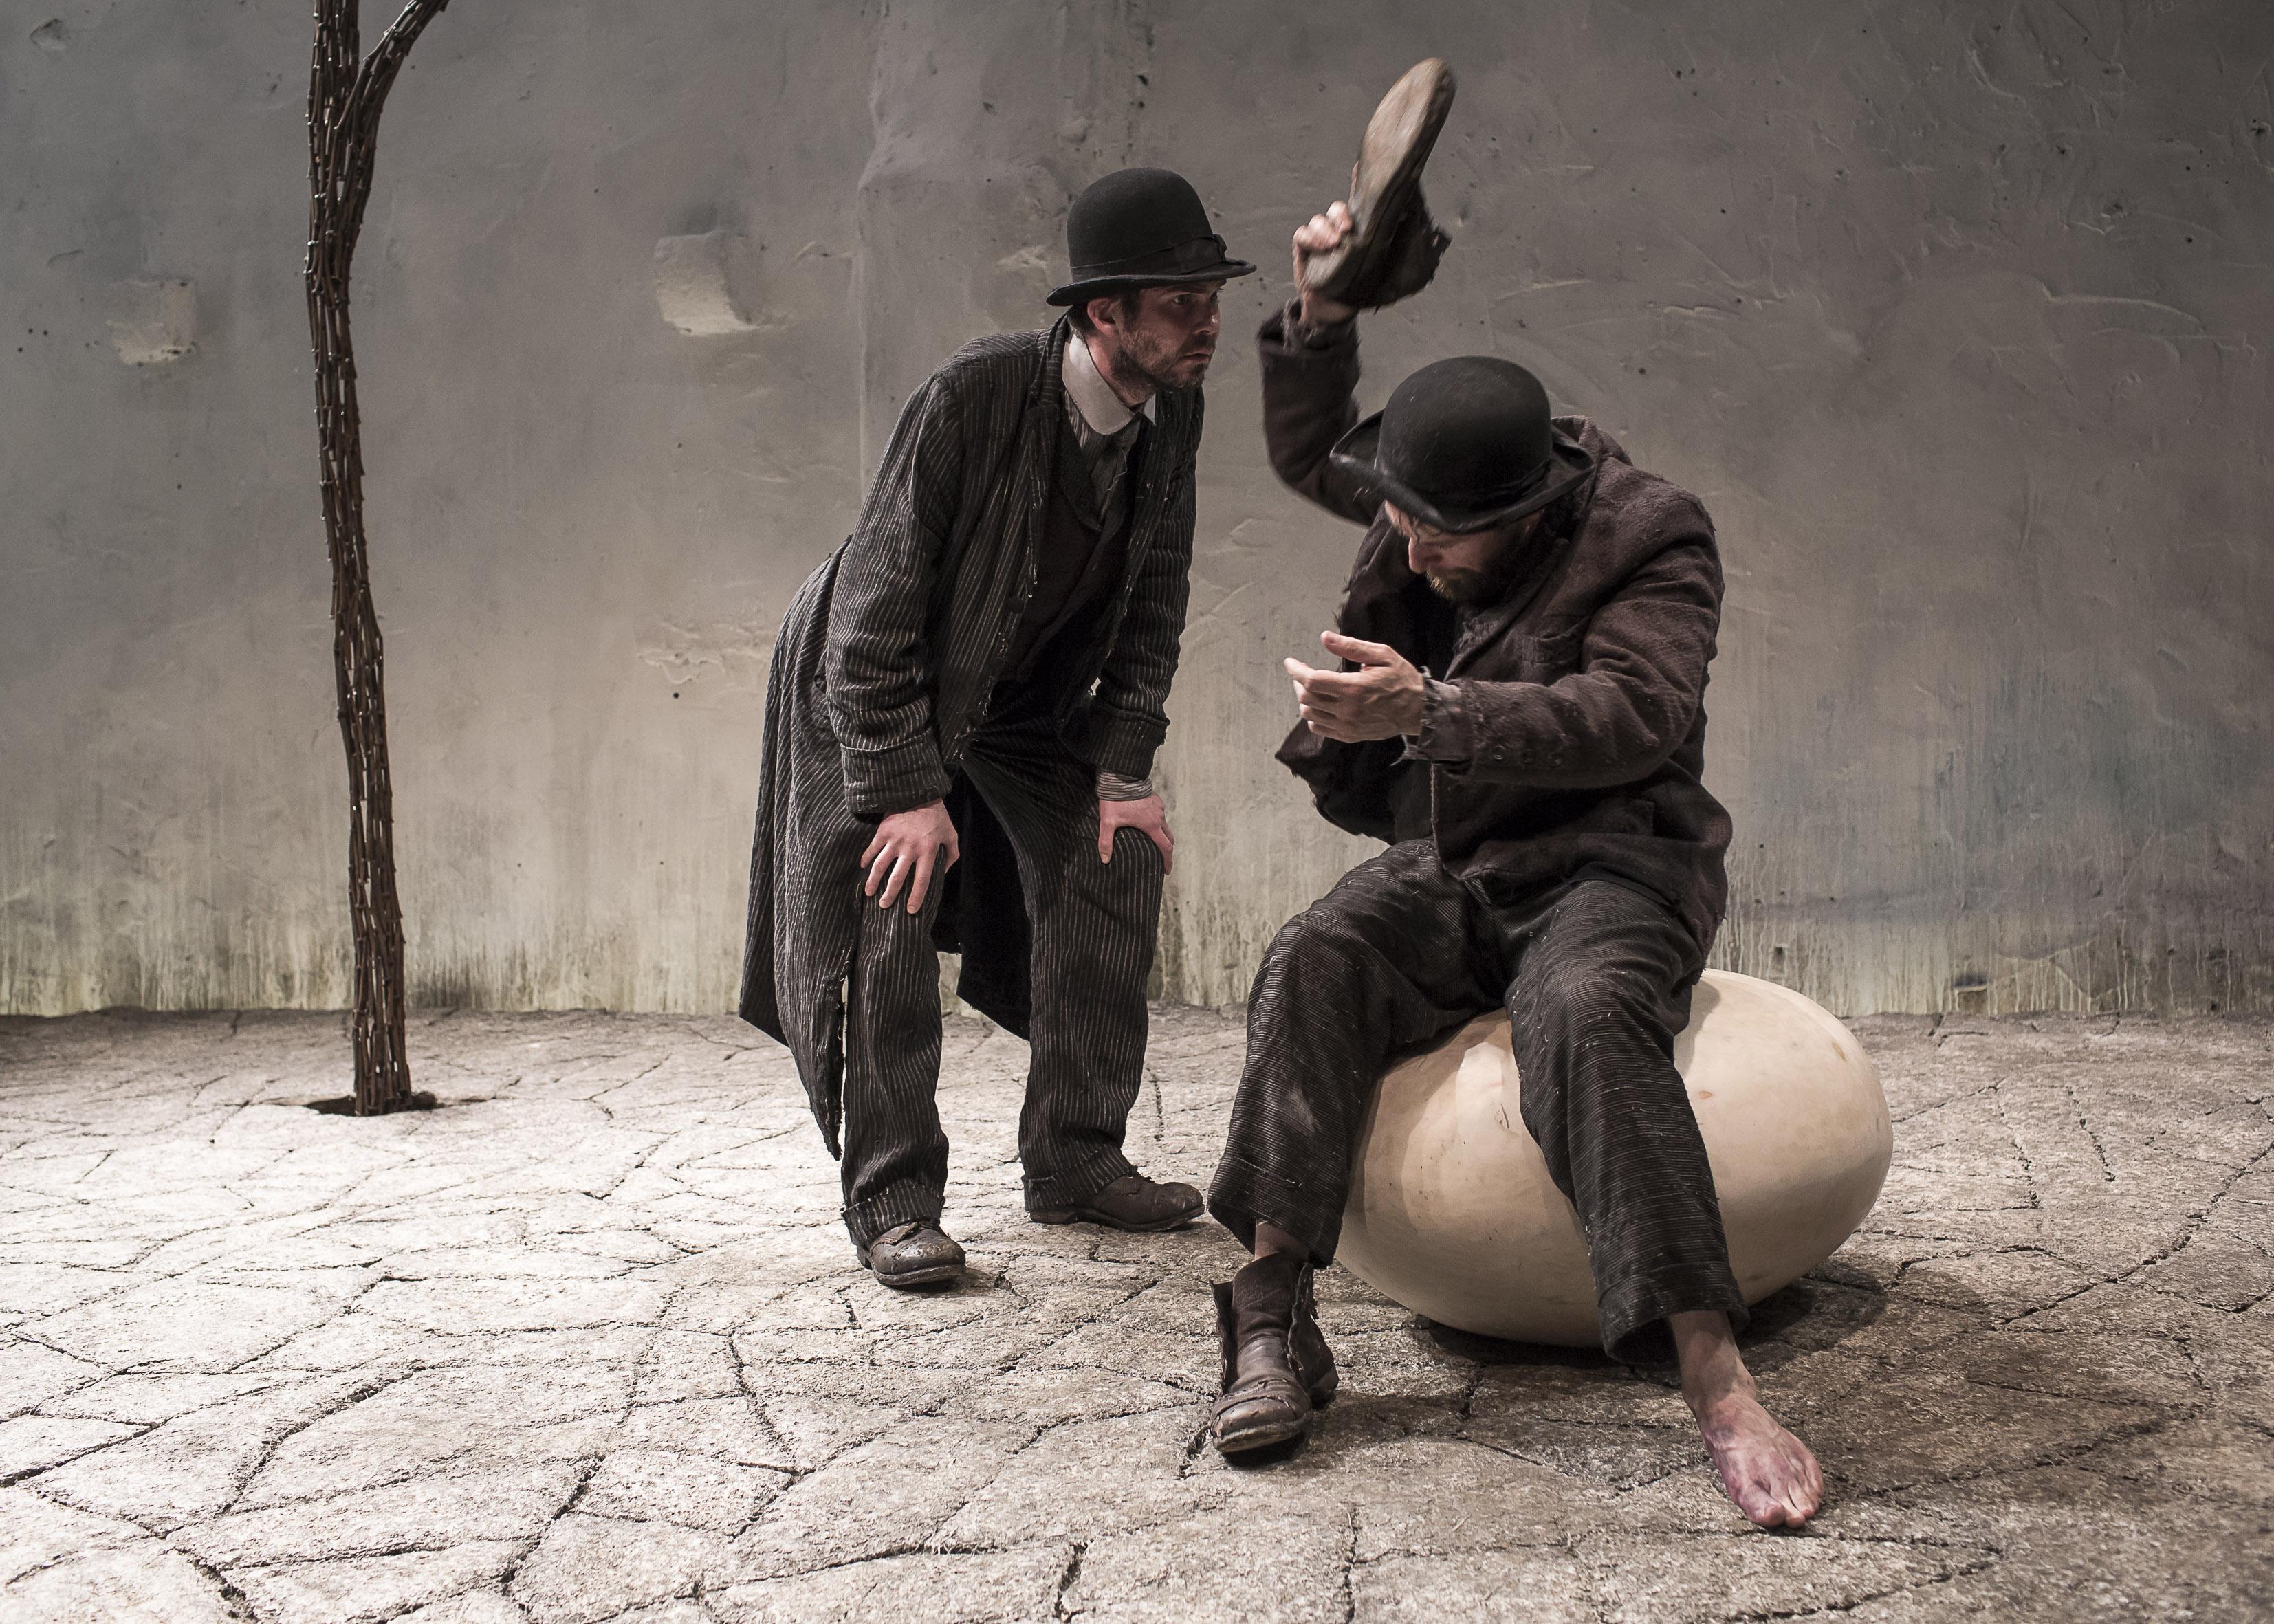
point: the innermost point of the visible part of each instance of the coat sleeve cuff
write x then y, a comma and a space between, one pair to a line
1446, 732
1113, 786
1123, 744
1298, 334
878, 783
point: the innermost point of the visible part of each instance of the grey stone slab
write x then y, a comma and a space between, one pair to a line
591, 1567
1492, 1587
184, 1325
1290, 1567
427, 1419
961, 1587
137, 1584
595, 1348
1693, 1579
37, 1532
692, 1491
888, 1495
32, 1375
1052, 1394
32, 1290
30, 1444
194, 1466
428, 1512
351, 1590
473, 1607
153, 1399
732, 1429
1125, 1472
1440, 1497
514, 1305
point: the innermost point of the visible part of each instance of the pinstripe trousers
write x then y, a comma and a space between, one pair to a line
1596, 978
1094, 925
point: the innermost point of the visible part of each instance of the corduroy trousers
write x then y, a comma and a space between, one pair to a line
1596, 978
1094, 925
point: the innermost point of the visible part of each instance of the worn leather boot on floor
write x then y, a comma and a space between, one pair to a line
913, 1254
1276, 1366
1131, 1201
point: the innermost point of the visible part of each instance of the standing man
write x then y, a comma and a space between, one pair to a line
963, 707
1518, 713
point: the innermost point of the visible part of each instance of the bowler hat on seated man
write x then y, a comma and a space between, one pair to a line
1141, 229
1465, 444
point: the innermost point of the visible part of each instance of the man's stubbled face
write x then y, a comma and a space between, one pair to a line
1165, 341
1472, 566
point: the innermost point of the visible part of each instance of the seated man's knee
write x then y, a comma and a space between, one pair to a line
1571, 1000
1303, 939
1316, 944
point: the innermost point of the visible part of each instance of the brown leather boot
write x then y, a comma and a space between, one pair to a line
1277, 1366
913, 1254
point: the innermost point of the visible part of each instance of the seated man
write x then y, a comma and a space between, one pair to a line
1524, 638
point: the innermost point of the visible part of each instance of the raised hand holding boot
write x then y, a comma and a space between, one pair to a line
1392, 248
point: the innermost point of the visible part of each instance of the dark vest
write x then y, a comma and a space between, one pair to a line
1079, 558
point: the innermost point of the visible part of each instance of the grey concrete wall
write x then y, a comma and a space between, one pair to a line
1954, 314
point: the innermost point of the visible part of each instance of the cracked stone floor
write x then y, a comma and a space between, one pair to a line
588, 1344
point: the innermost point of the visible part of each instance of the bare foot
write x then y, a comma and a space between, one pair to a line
1768, 1473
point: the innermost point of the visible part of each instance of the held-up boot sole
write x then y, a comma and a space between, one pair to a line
1385, 197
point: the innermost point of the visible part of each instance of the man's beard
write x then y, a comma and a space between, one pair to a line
1151, 370
1472, 587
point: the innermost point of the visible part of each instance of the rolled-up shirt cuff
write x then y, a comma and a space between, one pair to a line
1113, 786
1444, 734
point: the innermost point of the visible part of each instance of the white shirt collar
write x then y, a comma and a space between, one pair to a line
1100, 408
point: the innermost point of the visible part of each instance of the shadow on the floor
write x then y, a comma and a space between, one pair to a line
344, 1105
1807, 1316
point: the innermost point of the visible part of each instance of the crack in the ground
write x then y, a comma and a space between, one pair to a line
423, 1174
1058, 1607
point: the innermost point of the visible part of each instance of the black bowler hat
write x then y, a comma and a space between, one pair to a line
1463, 445
1141, 229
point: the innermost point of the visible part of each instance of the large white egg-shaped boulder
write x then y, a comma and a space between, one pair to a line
1452, 1212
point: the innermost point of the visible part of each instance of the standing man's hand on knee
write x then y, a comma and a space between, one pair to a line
906, 849
1147, 815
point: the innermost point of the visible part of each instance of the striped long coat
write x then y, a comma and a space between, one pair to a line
883, 668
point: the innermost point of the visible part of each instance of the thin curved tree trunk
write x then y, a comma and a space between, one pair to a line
346, 92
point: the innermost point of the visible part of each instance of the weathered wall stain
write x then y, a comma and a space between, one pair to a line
1954, 315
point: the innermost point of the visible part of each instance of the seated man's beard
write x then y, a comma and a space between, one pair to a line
1484, 585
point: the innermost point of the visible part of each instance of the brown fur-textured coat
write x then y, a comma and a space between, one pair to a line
1583, 688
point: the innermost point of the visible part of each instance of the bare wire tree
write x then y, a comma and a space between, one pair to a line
346, 93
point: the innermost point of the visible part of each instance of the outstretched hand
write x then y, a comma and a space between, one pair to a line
1380, 700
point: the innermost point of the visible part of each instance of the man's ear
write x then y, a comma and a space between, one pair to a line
1105, 312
